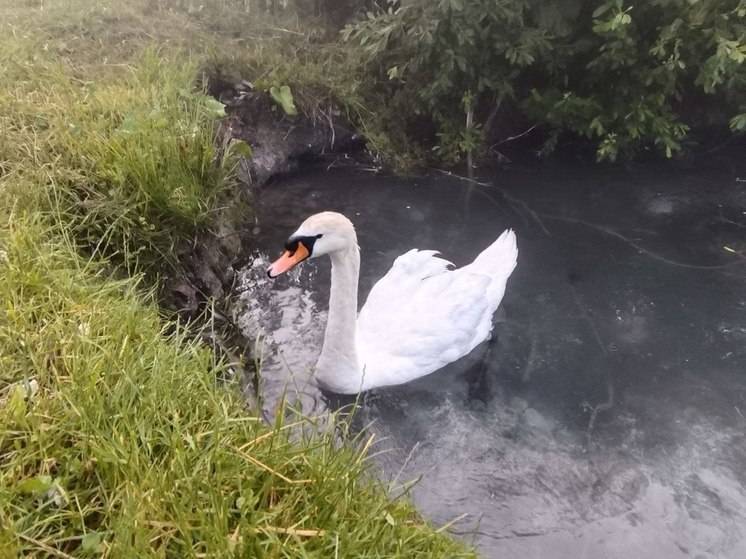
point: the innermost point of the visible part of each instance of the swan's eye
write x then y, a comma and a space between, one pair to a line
292, 243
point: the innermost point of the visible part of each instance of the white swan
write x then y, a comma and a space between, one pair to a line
419, 317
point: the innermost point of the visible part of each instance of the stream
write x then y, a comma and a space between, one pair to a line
605, 417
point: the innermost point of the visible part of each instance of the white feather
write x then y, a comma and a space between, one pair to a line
420, 316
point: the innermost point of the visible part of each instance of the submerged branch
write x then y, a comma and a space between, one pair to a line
508, 198
642, 249
516, 137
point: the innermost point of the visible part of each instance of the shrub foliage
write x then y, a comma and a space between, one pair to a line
628, 75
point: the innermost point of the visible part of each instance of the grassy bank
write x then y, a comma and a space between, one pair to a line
119, 435
118, 439
109, 113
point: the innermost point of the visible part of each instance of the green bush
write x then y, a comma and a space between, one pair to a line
625, 74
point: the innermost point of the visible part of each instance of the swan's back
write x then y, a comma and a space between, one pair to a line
423, 315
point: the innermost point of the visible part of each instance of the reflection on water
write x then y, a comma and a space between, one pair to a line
606, 416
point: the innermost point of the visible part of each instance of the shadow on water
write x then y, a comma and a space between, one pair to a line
605, 417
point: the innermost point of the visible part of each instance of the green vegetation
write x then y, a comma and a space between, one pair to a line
118, 439
124, 133
626, 75
120, 436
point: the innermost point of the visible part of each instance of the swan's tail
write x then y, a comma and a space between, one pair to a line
497, 261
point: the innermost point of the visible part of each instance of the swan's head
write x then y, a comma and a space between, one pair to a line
322, 233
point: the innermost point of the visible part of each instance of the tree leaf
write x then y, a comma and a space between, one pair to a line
601, 10
738, 123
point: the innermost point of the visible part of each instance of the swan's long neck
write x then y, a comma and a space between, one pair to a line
338, 363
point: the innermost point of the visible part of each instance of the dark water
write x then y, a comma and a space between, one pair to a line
606, 416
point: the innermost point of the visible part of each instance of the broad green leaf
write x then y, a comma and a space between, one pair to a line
284, 97
738, 123
241, 149
92, 542
601, 10
16, 403
35, 485
597, 127
214, 107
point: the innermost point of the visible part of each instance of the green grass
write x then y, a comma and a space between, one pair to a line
134, 146
105, 98
121, 436
118, 439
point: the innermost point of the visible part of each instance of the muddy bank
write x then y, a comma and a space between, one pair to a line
279, 144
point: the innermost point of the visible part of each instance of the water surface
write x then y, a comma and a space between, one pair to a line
606, 416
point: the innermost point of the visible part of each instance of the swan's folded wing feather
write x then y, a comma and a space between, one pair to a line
421, 316
403, 279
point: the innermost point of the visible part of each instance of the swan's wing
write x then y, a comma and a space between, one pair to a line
422, 315
419, 317
402, 280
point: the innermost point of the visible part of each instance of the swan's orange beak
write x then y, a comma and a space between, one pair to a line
288, 261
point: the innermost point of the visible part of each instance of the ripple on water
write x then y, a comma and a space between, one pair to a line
283, 319
501, 436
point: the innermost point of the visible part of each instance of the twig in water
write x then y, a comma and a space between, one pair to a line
536, 216
723, 219
598, 408
511, 138
510, 199
328, 116
642, 249
412, 450
451, 522
609, 403
512, 535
